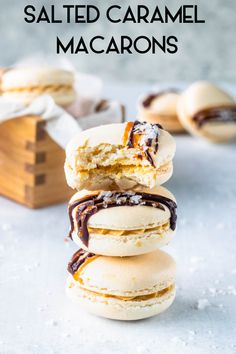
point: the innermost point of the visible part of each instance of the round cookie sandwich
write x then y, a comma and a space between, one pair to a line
208, 112
122, 288
26, 83
120, 156
160, 108
122, 223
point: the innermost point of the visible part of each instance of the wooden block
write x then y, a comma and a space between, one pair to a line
31, 164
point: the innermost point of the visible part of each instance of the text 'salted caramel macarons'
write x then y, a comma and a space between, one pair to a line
120, 156
161, 107
208, 112
122, 223
122, 288
26, 83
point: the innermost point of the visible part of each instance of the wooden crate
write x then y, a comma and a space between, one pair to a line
31, 164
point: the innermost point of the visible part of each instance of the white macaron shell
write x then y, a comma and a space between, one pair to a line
36, 76
129, 276
130, 217
203, 95
165, 104
112, 134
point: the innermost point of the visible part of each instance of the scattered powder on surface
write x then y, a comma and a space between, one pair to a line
53, 323
202, 304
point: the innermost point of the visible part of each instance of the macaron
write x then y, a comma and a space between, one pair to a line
26, 83
122, 288
120, 156
122, 223
2, 71
207, 111
160, 107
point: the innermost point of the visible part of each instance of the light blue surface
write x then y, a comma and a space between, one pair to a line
35, 315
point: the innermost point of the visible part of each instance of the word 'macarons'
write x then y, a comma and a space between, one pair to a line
121, 45
114, 14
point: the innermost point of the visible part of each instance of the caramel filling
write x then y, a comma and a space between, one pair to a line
128, 169
158, 229
157, 294
40, 88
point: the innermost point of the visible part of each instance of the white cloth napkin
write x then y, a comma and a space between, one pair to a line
60, 125
63, 124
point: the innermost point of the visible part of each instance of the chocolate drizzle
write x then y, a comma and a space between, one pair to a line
89, 205
148, 100
77, 260
217, 114
102, 106
145, 135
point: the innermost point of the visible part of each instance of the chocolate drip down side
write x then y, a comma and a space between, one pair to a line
77, 260
89, 205
217, 114
145, 135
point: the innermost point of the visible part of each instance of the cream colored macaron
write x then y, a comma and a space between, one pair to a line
161, 108
208, 112
122, 223
122, 288
120, 156
26, 83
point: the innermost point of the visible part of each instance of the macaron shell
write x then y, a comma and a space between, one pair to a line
120, 310
202, 95
123, 246
129, 276
112, 134
168, 122
129, 218
36, 76
165, 104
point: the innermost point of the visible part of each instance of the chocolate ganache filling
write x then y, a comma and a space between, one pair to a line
144, 135
77, 260
91, 204
148, 100
217, 114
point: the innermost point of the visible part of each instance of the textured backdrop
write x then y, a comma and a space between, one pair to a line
205, 50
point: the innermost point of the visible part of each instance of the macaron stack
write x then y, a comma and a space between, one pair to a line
120, 216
